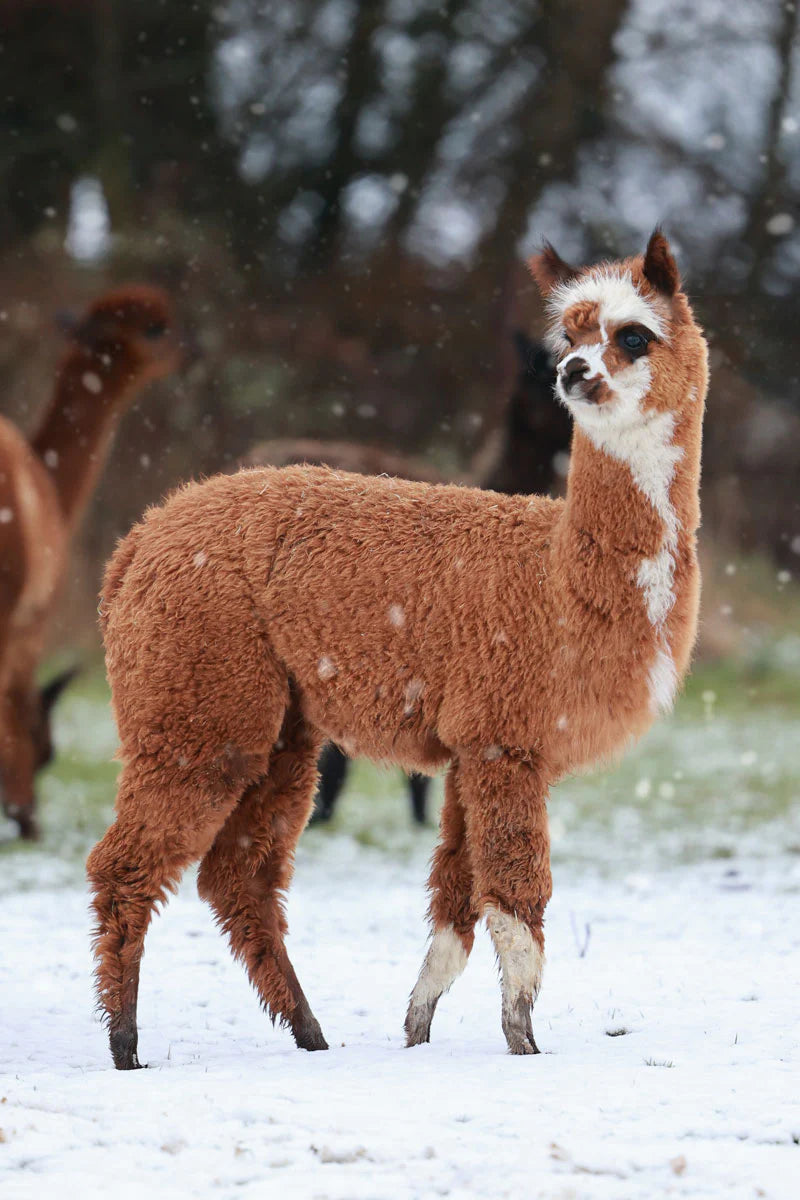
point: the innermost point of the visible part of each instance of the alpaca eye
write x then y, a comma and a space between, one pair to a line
633, 341
156, 330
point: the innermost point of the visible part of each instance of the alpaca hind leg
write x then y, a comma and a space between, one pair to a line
452, 916
131, 870
509, 839
248, 869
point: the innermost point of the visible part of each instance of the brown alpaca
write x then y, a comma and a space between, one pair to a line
121, 344
514, 638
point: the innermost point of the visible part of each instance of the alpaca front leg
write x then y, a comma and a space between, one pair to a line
520, 953
505, 797
452, 915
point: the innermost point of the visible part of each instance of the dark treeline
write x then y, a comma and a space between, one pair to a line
340, 196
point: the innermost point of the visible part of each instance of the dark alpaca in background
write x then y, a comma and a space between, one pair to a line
530, 456
120, 345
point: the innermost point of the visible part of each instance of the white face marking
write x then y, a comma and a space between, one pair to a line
444, 962
619, 301
521, 960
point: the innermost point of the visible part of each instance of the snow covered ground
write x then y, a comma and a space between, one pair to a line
668, 1019
668, 1023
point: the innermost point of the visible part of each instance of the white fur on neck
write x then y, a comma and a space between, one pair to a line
643, 440
662, 681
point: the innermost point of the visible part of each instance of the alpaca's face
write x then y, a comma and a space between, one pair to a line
624, 339
133, 327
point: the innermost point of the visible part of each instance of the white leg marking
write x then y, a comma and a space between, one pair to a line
521, 960
444, 962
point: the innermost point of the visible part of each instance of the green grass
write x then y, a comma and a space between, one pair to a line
721, 776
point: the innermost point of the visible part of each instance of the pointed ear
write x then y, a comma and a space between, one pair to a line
660, 268
549, 269
51, 691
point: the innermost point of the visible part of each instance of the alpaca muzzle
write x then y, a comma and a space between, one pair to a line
578, 382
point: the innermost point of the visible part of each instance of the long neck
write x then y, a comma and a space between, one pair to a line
78, 425
632, 510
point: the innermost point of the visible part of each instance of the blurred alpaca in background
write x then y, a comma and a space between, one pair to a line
124, 341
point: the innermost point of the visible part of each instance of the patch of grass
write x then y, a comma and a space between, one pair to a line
658, 1062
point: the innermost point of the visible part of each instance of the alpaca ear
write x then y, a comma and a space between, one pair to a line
549, 269
660, 268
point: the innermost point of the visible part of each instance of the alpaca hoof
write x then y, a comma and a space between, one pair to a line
28, 827
518, 1028
309, 1036
418, 1023
124, 1051
522, 1045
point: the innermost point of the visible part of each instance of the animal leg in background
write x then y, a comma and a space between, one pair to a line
249, 867
452, 914
418, 786
162, 826
333, 767
509, 839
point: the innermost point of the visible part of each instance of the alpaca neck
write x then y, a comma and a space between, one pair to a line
77, 427
632, 507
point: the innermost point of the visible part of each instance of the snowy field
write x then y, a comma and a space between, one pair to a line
668, 1018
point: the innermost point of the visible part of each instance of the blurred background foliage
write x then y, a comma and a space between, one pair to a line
340, 197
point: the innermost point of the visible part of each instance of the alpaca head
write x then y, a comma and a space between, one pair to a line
625, 340
131, 333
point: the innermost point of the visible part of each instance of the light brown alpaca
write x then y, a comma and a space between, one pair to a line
514, 638
121, 344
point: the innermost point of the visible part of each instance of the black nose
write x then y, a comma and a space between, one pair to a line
575, 371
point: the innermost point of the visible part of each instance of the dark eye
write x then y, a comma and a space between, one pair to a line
568, 340
156, 330
633, 341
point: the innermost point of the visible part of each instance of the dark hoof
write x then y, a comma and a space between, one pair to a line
309, 1036
123, 1051
522, 1045
418, 1023
518, 1028
28, 827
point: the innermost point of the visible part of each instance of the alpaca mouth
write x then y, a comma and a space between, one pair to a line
591, 391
